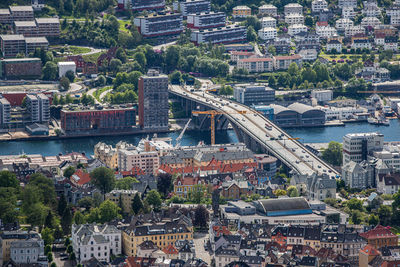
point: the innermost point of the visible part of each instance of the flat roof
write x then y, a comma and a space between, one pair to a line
66, 63
12, 37
47, 20
4, 11
36, 40
30, 23
20, 59
21, 8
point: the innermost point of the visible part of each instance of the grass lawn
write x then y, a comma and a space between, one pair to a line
75, 50
98, 92
340, 56
92, 57
122, 24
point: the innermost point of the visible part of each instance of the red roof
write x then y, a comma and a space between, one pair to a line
242, 53
212, 166
287, 57
134, 172
80, 177
378, 232
322, 23
370, 251
221, 230
256, 59
139, 261
170, 249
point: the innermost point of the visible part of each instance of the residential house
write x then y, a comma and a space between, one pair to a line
184, 185
267, 33
296, 29
294, 18
268, 10
358, 175
263, 64
293, 8
318, 5
234, 189
354, 30
380, 236
370, 22
361, 44
238, 55
80, 178
283, 62
241, 12
334, 45
388, 183
268, 22
342, 24
186, 252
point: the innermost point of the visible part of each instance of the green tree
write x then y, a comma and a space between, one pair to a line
121, 55
62, 205
333, 154
108, 211
70, 75
103, 178
201, 216
251, 34
79, 218
8, 204
64, 83
125, 183
385, 214
69, 171
373, 219
137, 204
50, 71
356, 216
292, 191
66, 221
280, 192
50, 256
175, 77
196, 194
141, 59
164, 183
354, 204
115, 65
49, 221
8, 179
293, 69
153, 198
36, 214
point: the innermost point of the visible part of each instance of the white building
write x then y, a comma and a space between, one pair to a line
5, 112
357, 146
353, 30
293, 8
358, 175
30, 251
130, 158
322, 95
326, 31
267, 33
395, 20
318, 5
98, 241
342, 24
268, 10
361, 43
64, 67
187, 7
294, 18
334, 45
348, 13
308, 54
38, 107
347, 3
342, 113
371, 9
268, 22
370, 22
390, 155
296, 29
256, 64
388, 183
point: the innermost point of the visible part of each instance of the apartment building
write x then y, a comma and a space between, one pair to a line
370, 22
48, 27
8, 237
359, 175
29, 251
155, 25
283, 62
342, 24
187, 7
123, 199
12, 44
33, 43
268, 22
21, 13
224, 35
371, 9
38, 107
296, 29
357, 146
129, 158
255, 64
326, 31
95, 241
294, 18
361, 44
18, 68
5, 112
347, 3
140, 5
5, 16
108, 154
162, 234
239, 55
251, 94
293, 8
354, 30
318, 5
267, 33
380, 236
206, 20
268, 10
348, 13
26, 28
241, 11
153, 101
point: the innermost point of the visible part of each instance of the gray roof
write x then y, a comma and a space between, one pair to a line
12, 37
4, 11
279, 108
36, 40
25, 23
21, 9
282, 204
301, 108
86, 231
47, 20
30, 243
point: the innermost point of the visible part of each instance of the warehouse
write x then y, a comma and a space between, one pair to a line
283, 206
308, 115
284, 117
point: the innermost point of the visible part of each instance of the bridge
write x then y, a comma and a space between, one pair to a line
257, 132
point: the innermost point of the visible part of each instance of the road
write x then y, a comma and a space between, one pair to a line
165, 46
103, 94
291, 152
199, 241
91, 92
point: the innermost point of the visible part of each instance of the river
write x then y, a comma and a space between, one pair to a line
85, 145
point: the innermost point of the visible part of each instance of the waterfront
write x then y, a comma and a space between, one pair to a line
85, 145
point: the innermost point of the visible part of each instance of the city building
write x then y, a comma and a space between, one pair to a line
184, 185
5, 113
388, 183
318, 5
130, 158
283, 62
21, 13
48, 27
241, 12
296, 29
268, 10
347, 3
80, 120
342, 24
308, 54
26, 28
140, 5
256, 64
5, 16
326, 31
96, 241
206, 20
108, 154
298, 114
294, 18
357, 146
155, 25
354, 30
268, 22
12, 45
380, 237
8, 237
239, 55
64, 67
370, 22
322, 95
223, 35
38, 4
38, 107
21, 68
361, 44
30, 251
267, 163
187, 7
153, 101
122, 198
267, 33
348, 13
293, 8
33, 43
334, 45
250, 94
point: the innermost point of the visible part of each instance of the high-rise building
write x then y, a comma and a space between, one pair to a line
38, 106
187, 7
153, 101
130, 158
159, 24
5, 110
357, 146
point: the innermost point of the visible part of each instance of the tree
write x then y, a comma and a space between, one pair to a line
53, 264
333, 154
103, 178
175, 77
280, 192
8, 179
79, 218
66, 221
356, 216
69, 171
47, 249
373, 219
354, 204
70, 249
62, 205
292, 191
164, 183
308, 21
47, 236
293, 69
50, 256
385, 213
196, 194
121, 55
50, 71
141, 59
49, 220
251, 34
125, 183
108, 211
137, 204
201, 216
153, 198
115, 65
70, 75
64, 83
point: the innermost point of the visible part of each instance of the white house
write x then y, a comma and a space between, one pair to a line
318, 5
371, 9
64, 67
342, 24
269, 10
294, 18
326, 31
361, 43
370, 22
353, 30
296, 29
388, 184
293, 8
347, 3
358, 175
322, 95
348, 13
267, 33
98, 241
30, 251
334, 44
268, 22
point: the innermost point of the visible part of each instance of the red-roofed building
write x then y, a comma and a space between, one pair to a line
220, 230
238, 55
183, 185
80, 178
283, 62
171, 251
380, 236
139, 261
366, 255
256, 64
136, 171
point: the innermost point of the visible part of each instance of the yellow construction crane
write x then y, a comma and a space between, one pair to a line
212, 114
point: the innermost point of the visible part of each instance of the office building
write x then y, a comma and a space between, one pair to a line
155, 25
64, 67
224, 35
140, 5
129, 158
153, 101
89, 120
357, 146
38, 106
21, 68
250, 94
206, 20
187, 7
5, 112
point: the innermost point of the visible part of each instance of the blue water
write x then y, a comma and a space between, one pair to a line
85, 145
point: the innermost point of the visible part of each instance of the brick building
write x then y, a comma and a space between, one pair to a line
380, 236
21, 68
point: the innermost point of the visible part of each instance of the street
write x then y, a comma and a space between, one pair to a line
199, 241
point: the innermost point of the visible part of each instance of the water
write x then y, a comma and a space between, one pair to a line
85, 145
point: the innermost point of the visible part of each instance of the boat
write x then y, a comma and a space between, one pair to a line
379, 121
